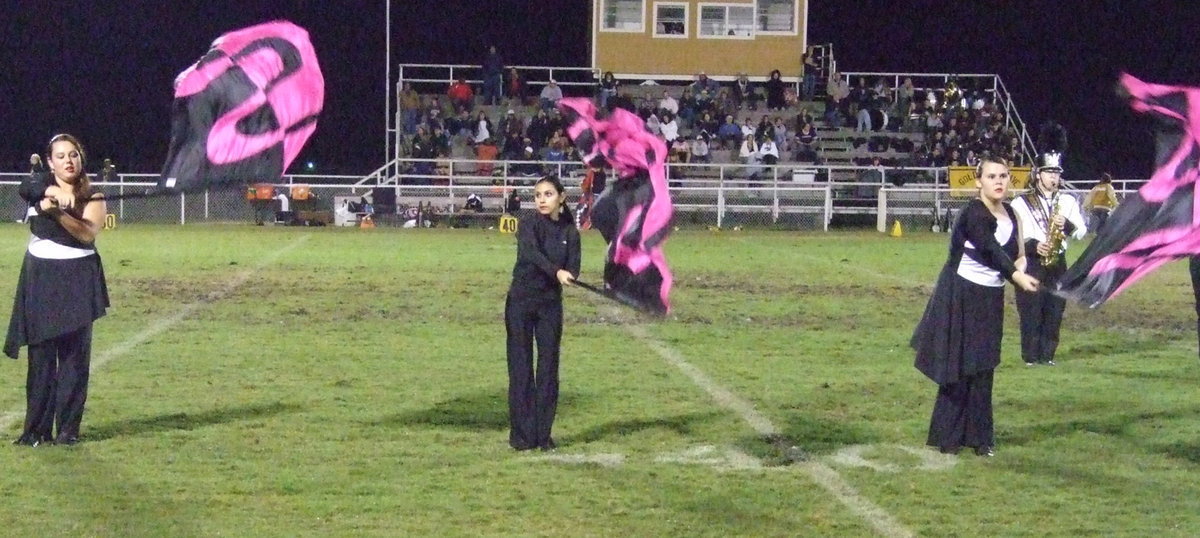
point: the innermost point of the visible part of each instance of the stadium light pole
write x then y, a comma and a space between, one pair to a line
387, 81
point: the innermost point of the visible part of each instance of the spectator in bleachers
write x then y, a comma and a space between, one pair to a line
863, 118
707, 124
441, 142
410, 108
539, 129
837, 105
781, 134
764, 129
688, 108
768, 152
952, 97
810, 68
608, 89
516, 87
681, 150
724, 102
526, 165
904, 102
511, 124
461, 96
804, 116
749, 156
462, 127
729, 133
483, 127
654, 125
703, 83
559, 137
704, 102
744, 93
700, 150
555, 152
749, 129
487, 151
669, 128
433, 115
775, 88
956, 158
622, 101
493, 77
550, 95
668, 103
806, 143
514, 144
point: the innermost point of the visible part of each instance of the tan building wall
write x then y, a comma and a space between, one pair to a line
642, 53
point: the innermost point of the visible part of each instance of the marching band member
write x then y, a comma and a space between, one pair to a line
1048, 219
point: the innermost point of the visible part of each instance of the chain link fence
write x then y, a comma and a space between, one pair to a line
704, 195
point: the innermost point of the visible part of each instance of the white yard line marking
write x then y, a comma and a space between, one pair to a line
603, 460
11, 417
883, 522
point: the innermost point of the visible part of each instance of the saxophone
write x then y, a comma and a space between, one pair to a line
1054, 234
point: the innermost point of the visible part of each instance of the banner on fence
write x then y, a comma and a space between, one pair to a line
962, 180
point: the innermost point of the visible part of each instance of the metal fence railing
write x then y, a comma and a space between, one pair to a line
726, 195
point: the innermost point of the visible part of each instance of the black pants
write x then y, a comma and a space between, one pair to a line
1194, 269
962, 414
1099, 218
56, 386
1041, 312
532, 399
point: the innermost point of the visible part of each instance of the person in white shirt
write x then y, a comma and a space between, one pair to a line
551, 95
1041, 209
669, 128
668, 103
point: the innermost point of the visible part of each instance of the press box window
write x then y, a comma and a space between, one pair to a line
720, 21
623, 15
670, 19
777, 16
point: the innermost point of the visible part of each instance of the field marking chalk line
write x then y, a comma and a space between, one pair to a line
826, 477
238, 279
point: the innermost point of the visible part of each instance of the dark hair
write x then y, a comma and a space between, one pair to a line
1106, 178
83, 186
553, 180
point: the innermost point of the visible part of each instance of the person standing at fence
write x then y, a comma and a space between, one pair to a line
493, 77
1100, 202
1048, 220
957, 341
60, 293
548, 258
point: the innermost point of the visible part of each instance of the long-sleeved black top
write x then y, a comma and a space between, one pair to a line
544, 246
33, 189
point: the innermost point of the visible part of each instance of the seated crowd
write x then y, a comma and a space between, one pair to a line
699, 119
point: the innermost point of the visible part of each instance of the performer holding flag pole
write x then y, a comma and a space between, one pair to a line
548, 258
1047, 218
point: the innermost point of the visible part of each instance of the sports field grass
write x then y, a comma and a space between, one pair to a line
343, 382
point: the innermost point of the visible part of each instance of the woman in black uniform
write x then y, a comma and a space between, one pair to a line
958, 338
60, 293
547, 259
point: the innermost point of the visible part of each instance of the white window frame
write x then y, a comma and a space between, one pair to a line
641, 27
687, 15
795, 20
700, 16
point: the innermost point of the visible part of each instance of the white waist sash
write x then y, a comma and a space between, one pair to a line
49, 250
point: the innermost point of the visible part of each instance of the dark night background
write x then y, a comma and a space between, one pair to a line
104, 71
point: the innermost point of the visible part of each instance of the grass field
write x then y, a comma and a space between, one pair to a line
343, 382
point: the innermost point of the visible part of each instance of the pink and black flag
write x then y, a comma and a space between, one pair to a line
245, 109
1161, 222
635, 215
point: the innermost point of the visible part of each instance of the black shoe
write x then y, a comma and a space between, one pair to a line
985, 451
1051, 363
67, 441
1030, 363
949, 449
30, 440
548, 446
